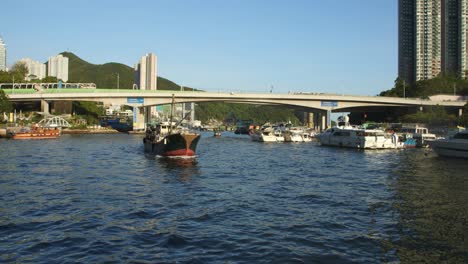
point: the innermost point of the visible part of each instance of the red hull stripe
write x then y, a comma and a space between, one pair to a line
179, 152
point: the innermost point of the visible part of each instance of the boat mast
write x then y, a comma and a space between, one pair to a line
172, 111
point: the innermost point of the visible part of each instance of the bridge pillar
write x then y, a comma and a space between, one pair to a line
45, 106
138, 118
309, 119
460, 112
148, 113
324, 121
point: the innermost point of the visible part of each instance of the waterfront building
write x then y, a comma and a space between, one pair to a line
3, 65
36, 70
432, 37
146, 72
58, 67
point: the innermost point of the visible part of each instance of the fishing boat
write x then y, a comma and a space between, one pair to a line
167, 139
455, 146
37, 133
173, 143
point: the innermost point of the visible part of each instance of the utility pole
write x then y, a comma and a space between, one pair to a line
118, 81
454, 88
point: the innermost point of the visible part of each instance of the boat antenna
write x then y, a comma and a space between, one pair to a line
172, 110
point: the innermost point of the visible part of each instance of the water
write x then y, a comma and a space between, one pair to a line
98, 198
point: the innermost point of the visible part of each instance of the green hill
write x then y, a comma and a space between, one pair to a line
105, 75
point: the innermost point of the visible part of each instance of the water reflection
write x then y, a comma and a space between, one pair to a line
431, 198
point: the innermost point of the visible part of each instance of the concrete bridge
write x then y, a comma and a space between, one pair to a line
319, 104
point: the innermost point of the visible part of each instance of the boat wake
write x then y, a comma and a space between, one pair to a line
177, 157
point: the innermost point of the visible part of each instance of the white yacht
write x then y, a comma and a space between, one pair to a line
355, 137
297, 134
268, 133
455, 146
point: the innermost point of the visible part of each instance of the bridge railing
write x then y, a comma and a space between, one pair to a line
44, 86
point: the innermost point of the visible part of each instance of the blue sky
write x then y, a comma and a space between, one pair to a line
333, 46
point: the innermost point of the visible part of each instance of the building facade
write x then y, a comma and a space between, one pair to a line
36, 70
146, 77
146, 72
58, 67
431, 38
3, 61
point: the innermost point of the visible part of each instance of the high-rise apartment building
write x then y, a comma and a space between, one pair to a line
146, 72
36, 70
58, 67
431, 38
146, 76
3, 65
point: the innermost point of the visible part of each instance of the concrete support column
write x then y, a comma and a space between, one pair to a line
138, 118
148, 112
318, 121
310, 120
421, 108
324, 120
192, 114
460, 112
328, 118
45, 106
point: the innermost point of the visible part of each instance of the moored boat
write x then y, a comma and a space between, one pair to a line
120, 123
297, 134
267, 133
355, 137
416, 135
455, 146
37, 133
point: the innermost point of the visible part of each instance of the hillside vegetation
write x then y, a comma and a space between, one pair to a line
437, 115
442, 84
105, 76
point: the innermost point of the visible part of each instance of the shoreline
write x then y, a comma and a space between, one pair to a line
97, 131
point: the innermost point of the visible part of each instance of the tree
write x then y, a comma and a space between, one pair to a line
19, 71
5, 104
400, 89
49, 79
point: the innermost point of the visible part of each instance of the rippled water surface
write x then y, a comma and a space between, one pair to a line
98, 198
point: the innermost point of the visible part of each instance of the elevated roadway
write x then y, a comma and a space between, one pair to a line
140, 99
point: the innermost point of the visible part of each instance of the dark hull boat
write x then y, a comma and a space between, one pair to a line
121, 124
172, 145
166, 139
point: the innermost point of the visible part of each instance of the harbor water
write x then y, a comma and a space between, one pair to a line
99, 198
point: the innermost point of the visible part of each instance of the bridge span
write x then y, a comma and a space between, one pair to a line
141, 99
